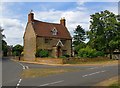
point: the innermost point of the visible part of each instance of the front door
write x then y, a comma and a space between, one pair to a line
58, 51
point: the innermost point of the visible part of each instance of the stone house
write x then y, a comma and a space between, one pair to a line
53, 37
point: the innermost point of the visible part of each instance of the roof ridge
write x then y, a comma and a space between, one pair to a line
48, 22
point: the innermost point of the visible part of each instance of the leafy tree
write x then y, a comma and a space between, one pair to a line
104, 33
17, 50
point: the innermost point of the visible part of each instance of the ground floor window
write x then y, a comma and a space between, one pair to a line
64, 52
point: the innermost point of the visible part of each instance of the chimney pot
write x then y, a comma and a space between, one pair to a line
30, 16
62, 21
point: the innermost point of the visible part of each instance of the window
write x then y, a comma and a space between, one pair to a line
64, 52
54, 31
47, 40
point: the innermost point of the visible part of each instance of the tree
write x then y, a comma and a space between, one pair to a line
3, 43
104, 33
1, 35
79, 38
4, 47
17, 50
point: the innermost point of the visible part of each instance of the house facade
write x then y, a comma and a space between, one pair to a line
53, 37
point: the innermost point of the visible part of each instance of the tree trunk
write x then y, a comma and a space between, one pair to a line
111, 54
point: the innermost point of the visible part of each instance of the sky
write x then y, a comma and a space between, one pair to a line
13, 17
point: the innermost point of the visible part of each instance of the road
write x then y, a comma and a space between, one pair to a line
90, 76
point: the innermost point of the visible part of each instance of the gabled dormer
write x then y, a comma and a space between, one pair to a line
54, 31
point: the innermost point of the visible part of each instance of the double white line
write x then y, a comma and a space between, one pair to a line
24, 67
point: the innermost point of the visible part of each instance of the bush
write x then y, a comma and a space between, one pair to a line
66, 55
63, 57
89, 52
41, 53
99, 53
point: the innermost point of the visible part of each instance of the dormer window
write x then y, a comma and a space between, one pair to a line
54, 31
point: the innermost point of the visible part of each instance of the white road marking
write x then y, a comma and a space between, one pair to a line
27, 67
93, 73
93, 68
23, 66
52, 83
18, 83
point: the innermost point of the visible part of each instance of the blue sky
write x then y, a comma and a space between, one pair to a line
14, 15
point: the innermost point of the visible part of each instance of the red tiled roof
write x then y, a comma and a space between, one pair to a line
44, 29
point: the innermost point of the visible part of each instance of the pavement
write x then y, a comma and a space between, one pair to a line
87, 76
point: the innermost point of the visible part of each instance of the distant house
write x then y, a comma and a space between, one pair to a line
53, 37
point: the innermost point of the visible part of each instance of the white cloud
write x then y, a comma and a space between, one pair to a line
73, 18
13, 30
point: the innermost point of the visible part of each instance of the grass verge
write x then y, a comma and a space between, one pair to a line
41, 72
115, 85
110, 83
92, 61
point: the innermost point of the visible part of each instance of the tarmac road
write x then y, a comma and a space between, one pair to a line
87, 76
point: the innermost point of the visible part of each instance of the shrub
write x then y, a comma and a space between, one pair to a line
66, 55
63, 57
86, 52
37, 54
89, 52
41, 53
99, 53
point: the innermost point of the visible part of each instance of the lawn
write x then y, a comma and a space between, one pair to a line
41, 72
115, 85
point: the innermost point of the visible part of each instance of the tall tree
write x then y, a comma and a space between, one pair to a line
104, 33
79, 36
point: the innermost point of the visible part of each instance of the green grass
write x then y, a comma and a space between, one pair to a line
115, 85
41, 72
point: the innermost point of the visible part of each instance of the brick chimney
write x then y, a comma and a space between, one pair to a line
62, 21
30, 16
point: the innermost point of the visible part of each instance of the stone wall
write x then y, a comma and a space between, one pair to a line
29, 43
53, 42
